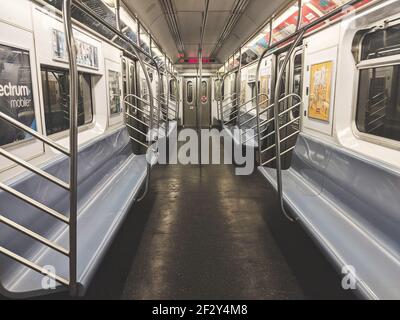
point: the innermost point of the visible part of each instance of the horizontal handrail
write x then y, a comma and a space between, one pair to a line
250, 100
280, 114
33, 235
34, 169
282, 153
137, 97
137, 119
230, 96
230, 109
144, 111
281, 127
34, 203
138, 141
229, 103
33, 266
137, 130
34, 133
260, 113
282, 140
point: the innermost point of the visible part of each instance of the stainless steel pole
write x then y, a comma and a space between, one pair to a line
73, 146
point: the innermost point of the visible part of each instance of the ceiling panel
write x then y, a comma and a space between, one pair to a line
191, 49
215, 24
189, 18
207, 49
189, 5
221, 5
189, 25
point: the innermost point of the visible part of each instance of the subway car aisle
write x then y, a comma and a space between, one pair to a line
205, 233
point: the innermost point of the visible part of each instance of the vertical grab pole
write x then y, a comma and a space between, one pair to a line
239, 89
276, 124
167, 125
258, 107
73, 146
258, 94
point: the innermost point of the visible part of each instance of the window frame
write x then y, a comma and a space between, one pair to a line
369, 64
84, 127
120, 82
187, 92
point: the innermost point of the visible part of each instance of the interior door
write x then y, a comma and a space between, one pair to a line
205, 102
189, 102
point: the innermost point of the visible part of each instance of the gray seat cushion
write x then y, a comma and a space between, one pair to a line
110, 177
350, 204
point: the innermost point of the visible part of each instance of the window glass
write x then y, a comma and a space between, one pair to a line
236, 59
285, 24
217, 89
297, 77
315, 9
189, 92
16, 99
132, 80
144, 40
56, 99
297, 82
172, 90
230, 63
204, 88
233, 83
129, 24
114, 92
381, 43
124, 78
378, 104
255, 47
378, 108
283, 86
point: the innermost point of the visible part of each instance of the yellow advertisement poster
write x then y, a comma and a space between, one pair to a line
264, 80
320, 91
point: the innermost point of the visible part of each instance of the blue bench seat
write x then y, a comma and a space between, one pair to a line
350, 205
110, 178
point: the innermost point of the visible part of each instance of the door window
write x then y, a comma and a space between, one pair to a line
189, 91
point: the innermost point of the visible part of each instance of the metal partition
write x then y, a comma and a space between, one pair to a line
72, 153
281, 119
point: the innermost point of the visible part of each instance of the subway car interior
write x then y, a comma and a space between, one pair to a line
200, 150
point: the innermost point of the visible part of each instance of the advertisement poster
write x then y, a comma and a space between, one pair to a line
16, 98
114, 92
86, 56
320, 91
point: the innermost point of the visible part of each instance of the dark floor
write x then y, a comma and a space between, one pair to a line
205, 233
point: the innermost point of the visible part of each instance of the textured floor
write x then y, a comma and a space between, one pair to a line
205, 233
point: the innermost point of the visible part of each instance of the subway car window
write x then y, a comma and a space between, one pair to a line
16, 98
114, 92
56, 99
378, 105
378, 109
173, 89
381, 43
297, 79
